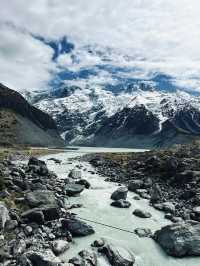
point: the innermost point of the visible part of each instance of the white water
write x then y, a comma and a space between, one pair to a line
97, 207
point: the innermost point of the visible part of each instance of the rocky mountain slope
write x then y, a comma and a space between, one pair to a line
139, 116
21, 123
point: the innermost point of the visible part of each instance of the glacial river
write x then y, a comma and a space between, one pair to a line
96, 207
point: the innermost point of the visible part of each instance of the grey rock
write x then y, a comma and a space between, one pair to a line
196, 210
77, 227
141, 213
40, 197
156, 194
38, 186
23, 261
28, 230
76, 261
84, 183
187, 175
4, 194
117, 256
98, 243
180, 239
51, 236
143, 232
135, 184
89, 258
43, 258
165, 206
136, 197
169, 216
34, 215
4, 256
121, 203
11, 225
73, 189
176, 219
50, 212
19, 247
35, 161
120, 193
59, 246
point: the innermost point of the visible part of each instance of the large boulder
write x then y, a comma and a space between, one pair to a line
180, 239
77, 227
121, 203
117, 256
73, 189
4, 216
40, 197
120, 193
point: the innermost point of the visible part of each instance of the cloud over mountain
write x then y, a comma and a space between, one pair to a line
111, 40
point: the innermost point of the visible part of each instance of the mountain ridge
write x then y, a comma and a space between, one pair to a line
82, 113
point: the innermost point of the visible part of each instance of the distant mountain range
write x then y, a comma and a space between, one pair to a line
137, 116
22, 123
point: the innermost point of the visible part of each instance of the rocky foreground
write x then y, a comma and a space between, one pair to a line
36, 226
170, 180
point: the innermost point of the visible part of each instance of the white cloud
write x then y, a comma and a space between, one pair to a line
24, 61
159, 35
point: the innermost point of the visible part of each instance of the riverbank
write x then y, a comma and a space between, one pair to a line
161, 176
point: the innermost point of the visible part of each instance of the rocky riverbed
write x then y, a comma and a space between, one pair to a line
35, 225
39, 225
170, 180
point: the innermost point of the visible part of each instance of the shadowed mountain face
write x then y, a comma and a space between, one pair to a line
22, 123
137, 117
129, 122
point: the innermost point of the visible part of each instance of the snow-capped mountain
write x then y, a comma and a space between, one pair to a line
139, 116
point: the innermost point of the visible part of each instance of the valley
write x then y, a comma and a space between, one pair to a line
100, 133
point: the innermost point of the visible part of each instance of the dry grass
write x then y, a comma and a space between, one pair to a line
26, 152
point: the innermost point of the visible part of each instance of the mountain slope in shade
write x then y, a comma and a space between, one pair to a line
137, 117
22, 123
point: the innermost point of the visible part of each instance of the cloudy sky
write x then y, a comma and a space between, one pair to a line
106, 41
